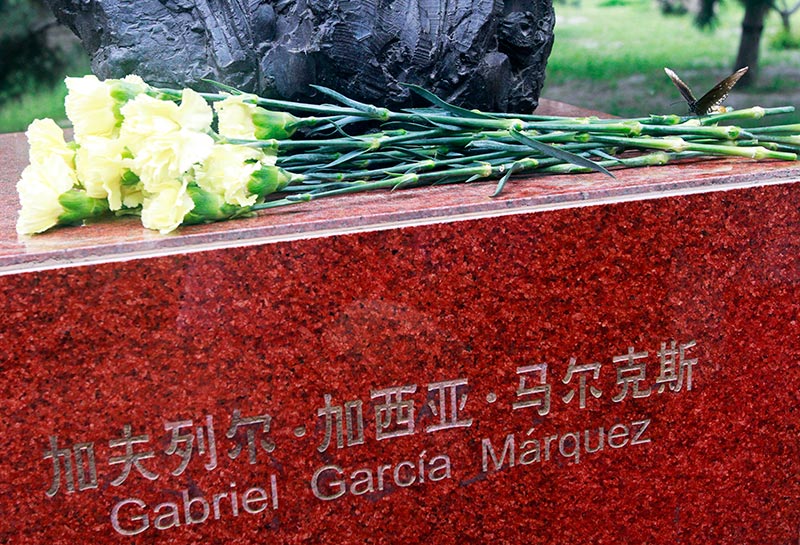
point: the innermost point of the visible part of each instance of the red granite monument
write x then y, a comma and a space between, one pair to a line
583, 360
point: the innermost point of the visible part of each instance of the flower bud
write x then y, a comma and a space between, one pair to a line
268, 179
209, 207
269, 124
78, 207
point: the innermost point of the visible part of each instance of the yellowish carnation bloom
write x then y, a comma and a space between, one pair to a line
90, 107
46, 142
145, 117
39, 188
235, 117
165, 210
166, 139
100, 167
165, 159
226, 172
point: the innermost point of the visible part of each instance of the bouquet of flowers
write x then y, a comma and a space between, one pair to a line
177, 157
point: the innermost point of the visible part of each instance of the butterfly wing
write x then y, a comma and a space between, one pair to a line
719, 93
686, 93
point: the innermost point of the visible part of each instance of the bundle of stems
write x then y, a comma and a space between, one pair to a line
351, 146
172, 159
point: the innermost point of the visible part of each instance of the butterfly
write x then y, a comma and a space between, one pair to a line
709, 102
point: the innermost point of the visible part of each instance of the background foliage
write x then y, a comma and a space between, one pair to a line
609, 55
36, 55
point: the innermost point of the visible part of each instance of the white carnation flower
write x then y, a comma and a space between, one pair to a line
90, 107
227, 171
235, 117
39, 188
165, 210
46, 143
165, 159
100, 166
166, 139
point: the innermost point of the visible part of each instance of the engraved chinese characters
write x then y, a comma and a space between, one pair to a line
674, 373
351, 425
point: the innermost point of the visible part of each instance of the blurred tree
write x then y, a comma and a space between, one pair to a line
29, 57
785, 11
755, 12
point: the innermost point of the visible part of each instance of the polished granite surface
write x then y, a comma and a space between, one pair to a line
583, 360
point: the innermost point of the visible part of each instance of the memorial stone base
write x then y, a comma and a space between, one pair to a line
582, 360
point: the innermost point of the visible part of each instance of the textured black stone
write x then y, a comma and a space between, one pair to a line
488, 54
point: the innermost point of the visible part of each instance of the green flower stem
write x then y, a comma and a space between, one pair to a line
670, 119
671, 143
351, 187
756, 112
365, 142
314, 121
307, 158
678, 144
503, 137
751, 152
652, 159
779, 129
722, 133
591, 120
788, 145
766, 139
482, 171
429, 164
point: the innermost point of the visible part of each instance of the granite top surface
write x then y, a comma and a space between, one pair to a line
116, 240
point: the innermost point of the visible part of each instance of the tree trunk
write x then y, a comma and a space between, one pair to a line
755, 11
786, 17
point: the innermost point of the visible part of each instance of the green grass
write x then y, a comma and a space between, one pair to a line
43, 101
609, 56
15, 115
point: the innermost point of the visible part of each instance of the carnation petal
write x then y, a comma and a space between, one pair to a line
39, 188
90, 107
164, 211
46, 141
100, 166
235, 117
194, 112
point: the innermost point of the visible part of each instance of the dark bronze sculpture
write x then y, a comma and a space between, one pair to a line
489, 54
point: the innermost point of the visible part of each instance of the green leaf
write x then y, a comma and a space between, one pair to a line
502, 183
342, 159
373, 111
558, 153
603, 155
224, 87
452, 108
